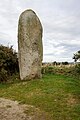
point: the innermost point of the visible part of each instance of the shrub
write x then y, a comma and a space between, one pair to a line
48, 69
8, 62
77, 68
3, 75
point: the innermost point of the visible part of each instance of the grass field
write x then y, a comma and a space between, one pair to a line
57, 95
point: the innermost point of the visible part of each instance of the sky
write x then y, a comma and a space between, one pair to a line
60, 20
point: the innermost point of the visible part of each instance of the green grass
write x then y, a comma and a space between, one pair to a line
57, 95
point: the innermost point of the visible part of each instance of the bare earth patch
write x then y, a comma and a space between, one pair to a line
12, 110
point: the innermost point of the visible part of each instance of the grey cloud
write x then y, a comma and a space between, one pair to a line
60, 20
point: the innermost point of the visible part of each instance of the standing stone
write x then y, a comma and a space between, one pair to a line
30, 45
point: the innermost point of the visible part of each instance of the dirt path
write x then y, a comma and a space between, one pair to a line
12, 110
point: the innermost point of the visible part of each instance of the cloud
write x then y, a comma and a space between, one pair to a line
60, 21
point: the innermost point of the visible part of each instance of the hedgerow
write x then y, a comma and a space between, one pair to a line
8, 62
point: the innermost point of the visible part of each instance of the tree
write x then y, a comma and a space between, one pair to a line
76, 56
65, 63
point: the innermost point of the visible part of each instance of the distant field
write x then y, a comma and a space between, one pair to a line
57, 95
